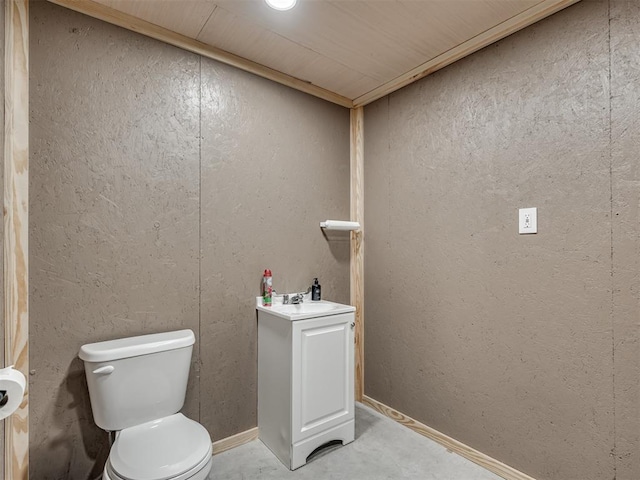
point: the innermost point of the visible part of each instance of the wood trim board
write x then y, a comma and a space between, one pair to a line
504, 29
357, 242
539, 11
124, 20
16, 224
485, 461
235, 440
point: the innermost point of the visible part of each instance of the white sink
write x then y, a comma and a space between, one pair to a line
301, 311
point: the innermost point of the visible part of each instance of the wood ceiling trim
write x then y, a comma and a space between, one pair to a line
380, 39
504, 29
533, 14
248, 39
186, 17
115, 17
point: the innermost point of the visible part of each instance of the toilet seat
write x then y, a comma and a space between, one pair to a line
195, 474
169, 448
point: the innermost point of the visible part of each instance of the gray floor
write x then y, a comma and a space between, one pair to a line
383, 449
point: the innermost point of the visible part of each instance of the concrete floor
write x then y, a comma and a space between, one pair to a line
383, 449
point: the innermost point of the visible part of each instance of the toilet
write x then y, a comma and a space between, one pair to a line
137, 387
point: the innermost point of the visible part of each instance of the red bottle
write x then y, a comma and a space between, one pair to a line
267, 288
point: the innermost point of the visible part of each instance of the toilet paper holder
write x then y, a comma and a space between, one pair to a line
12, 388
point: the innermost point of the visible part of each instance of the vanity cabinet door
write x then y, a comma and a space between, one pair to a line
322, 374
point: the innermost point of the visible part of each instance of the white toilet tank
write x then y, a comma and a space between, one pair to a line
137, 379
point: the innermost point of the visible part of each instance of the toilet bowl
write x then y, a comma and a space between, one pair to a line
173, 447
137, 385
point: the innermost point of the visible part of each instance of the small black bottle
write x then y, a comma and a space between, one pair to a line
315, 290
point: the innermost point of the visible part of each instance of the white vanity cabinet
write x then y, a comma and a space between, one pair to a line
305, 378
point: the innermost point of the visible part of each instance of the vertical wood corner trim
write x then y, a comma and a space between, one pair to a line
357, 244
485, 461
16, 223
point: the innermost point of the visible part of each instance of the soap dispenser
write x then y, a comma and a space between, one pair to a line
315, 290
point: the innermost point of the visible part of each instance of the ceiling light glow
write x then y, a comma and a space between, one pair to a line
281, 4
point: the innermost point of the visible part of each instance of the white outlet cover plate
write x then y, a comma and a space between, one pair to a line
528, 220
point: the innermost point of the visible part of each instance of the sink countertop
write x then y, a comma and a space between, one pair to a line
303, 311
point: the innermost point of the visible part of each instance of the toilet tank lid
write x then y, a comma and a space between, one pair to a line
136, 346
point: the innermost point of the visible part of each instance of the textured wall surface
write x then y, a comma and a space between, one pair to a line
524, 347
161, 186
625, 182
114, 215
274, 163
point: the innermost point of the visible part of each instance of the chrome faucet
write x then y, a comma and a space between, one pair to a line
294, 298
297, 299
